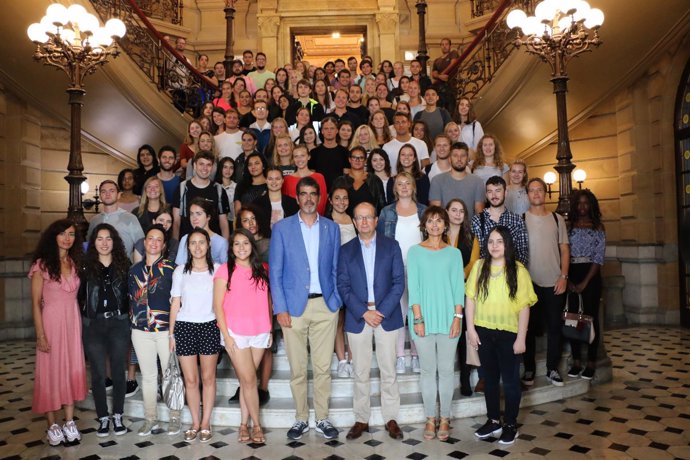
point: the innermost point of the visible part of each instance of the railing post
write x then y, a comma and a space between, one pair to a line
422, 53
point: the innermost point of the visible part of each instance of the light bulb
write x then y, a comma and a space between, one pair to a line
84, 187
546, 10
48, 26
582, 11
101, 37
550, 178
58, 14
37, 33
516, 18
564, 23
115, 28
568, 6
89, 24
75, 13
594, 19
579, 175
533, 26
67, 36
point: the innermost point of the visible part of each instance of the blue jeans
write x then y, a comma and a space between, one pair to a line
107, 339
499, 362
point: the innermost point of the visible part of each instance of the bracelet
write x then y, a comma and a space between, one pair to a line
172, 336
565, 277
459, 315
419, 320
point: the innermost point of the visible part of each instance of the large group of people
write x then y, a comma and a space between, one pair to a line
318, 210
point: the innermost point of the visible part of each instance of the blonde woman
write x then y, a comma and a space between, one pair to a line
516, 192
282, 154
364, 137
489, 159
152, 202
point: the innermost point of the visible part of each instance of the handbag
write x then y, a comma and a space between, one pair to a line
577, 326
472, 357
173, 385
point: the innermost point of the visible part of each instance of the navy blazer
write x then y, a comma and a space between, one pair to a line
389, 283
288, 265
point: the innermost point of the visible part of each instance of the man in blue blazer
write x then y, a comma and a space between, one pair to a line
371, 280
303, 262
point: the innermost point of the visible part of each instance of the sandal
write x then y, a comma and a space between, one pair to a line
430, 428
243, 435
258, 435
444, 429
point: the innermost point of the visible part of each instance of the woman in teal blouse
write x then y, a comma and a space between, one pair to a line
435, 280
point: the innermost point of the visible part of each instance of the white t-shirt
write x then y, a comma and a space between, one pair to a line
277, 212
485, 172
393, 147
407, 234
228, 145
471, 134
435, 171
196, 292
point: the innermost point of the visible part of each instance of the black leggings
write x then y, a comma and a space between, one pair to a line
590, 301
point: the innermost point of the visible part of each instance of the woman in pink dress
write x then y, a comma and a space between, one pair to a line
60, 376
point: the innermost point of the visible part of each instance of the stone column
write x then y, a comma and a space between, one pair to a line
268, 38
388, 34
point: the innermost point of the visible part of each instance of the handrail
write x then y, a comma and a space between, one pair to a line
476, 65
171, 71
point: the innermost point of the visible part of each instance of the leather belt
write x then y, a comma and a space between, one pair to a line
314, 295
111, 315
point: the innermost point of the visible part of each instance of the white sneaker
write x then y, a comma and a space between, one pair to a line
55, 435
175, 425
71, 431
400, 365
281, 347
415, 365
147, 427
342, 369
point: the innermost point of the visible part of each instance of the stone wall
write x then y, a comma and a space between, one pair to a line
34, 150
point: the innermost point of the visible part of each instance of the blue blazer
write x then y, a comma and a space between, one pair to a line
288, 265
389, 283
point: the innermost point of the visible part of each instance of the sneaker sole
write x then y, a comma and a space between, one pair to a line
324, 434
67, 439
586, 378
528, 383
555, 383
300, 436
154, 427
103, 435
508, 443
52, 444
129, 395
120, 433
495, 434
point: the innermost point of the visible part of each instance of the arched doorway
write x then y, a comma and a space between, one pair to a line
682, 135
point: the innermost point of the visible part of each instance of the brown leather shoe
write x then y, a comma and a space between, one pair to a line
394, 430
357, 429
479, 388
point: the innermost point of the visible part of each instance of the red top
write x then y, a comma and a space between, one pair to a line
290, 189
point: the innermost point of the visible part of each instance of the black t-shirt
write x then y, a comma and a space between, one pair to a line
212, 192
247, 193
362, 114
349, 115
107, 300
330, 162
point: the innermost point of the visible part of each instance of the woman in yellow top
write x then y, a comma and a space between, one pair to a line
460, 236
499, 294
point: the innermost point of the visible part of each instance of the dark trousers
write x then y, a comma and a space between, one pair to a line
107, 339
545, 315
590, 302
499, 362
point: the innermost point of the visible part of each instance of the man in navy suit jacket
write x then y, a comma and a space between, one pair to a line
303, 263
371, 280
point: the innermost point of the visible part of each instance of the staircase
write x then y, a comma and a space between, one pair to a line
279, 412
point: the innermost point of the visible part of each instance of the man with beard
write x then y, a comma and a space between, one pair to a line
237, 73
126, 223
306, 302
497, 214
248, 58
355, 102
442, 153
416, 75
458, 183
218, 74
167, 156
260, 75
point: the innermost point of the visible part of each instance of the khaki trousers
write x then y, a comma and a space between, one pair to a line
361, 346
315, 327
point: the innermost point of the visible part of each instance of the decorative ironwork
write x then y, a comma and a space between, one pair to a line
170, 71
489, 50
164, 10
483, 7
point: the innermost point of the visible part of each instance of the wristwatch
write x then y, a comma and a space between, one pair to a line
565, 277
458, 315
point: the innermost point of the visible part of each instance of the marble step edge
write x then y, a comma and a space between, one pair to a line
280, 413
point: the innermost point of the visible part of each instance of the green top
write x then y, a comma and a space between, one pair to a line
435, 282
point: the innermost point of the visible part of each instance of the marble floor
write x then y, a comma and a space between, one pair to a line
643, 413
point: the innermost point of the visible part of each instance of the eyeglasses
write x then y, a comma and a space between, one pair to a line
363, 218
260, 109
358, 158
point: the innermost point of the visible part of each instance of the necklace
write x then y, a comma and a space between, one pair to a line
497, 274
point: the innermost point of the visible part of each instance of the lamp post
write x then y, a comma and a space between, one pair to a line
559, 31
229, 40
71, 39
422, 52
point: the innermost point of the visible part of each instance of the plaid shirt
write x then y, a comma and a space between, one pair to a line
482, 226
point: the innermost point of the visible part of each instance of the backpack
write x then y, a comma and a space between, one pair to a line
183, 196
